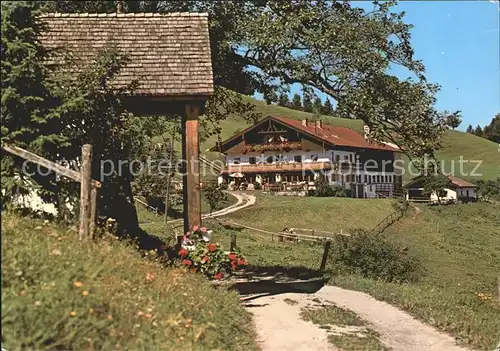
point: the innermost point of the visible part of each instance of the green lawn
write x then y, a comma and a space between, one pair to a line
458, 246
59, 293
456, 143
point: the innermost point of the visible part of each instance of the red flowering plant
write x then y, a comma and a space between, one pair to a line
199, 255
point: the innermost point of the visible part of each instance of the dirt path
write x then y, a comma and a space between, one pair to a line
280, 327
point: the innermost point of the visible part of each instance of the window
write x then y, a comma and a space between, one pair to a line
386, 179
467, 193
270, 159
374, 179
350, 157
378, 179
366, 178
334, 177
314, 157
252, 160
337, 158
236, 160
346, 157
297, 158
390, 179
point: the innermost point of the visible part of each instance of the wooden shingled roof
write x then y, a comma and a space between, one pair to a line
169, 53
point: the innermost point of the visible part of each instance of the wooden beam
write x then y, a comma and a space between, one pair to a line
66, 172
93, 210
191, 174
85, 192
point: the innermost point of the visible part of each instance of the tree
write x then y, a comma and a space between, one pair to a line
296, 102
214, 196
29, 117
470, 129
453, 120
317, 106
333, 46
435, 184
307, 105
478, 131
284, 100
327, 108
489, 189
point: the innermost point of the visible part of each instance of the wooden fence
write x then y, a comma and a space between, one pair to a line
88, 190
326, 240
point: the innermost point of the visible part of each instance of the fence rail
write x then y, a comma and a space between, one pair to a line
88, 190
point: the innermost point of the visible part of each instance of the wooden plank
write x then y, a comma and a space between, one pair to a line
325, 255
66, 172
167, 195
191, 176
93, 210
85, 189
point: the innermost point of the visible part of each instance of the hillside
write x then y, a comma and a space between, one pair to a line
456, 143
457, 245
61, 294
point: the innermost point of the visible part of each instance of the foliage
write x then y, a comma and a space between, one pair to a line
435, 184
323, 189
284, 100
307, 104
489, 189
151, 181
223, 186
400, 206
257, 186
199, 255
296, 102
492, 130
453, 120
317, 106
29, 117
214, 196
59, 293
327, 109
373, 256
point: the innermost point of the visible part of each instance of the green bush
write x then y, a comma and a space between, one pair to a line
59, 293
223, 186
373, 256
323, 189
257, 186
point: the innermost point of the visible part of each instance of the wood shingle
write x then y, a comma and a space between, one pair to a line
169, 53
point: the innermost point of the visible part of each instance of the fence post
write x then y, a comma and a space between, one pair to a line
325, 255
85, 190
93, 210
233, 242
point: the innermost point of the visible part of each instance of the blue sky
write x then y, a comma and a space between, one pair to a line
458, 41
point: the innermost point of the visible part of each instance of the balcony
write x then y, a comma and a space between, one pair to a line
278, 167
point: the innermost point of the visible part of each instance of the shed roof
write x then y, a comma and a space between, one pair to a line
169, 53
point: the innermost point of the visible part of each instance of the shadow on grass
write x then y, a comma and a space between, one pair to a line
262, 281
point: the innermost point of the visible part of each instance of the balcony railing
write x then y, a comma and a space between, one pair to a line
278, 167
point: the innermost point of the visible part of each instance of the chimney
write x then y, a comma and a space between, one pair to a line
319, 124
304, 122
366, 131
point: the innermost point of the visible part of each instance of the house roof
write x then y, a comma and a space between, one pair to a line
330, 134
336, 135
455, 181
169, 53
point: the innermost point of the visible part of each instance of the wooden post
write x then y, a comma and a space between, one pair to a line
325, 255
85, 190
93, 210
233, 242
191, 176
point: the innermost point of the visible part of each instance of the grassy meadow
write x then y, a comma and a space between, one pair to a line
59, 293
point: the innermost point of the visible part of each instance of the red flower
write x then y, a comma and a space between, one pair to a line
203, 229
232, 256
234, 265
212, 247
205, 259
219, 276
187, 262
183, 252
195, 228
